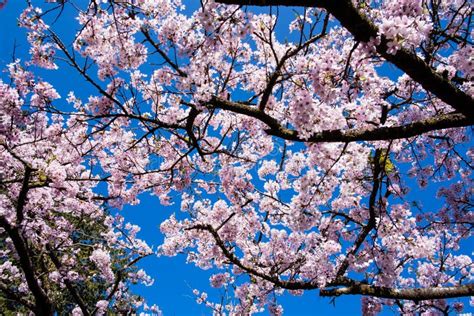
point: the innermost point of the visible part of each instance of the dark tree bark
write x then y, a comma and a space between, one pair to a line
350, 135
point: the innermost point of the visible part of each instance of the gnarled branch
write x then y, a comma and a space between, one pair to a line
418, 294
344, 285
443, 121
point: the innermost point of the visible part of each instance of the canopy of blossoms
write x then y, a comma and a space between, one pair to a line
289, 150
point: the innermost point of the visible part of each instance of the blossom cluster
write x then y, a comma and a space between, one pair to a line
289, 159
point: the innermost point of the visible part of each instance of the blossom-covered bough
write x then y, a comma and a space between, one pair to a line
61, 249
298, 151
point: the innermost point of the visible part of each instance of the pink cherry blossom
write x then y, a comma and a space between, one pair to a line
333, 158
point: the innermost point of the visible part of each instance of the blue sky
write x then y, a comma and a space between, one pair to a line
174, 279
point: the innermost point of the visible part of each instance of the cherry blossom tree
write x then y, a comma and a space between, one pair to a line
292, 156
61, 249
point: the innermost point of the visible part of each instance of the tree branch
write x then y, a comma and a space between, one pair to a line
118, 278
70, 287
43, 305
363, 30
22, 197
349, 287
443, 121
280, 64
372, 216
289, 285
419, 294
173, 65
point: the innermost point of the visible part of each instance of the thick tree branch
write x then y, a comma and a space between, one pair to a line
193, 113
20, 204
382, 133
43, 305
418, 294
343, 285
363, 30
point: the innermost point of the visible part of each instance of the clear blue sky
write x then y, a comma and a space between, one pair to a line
174, 279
